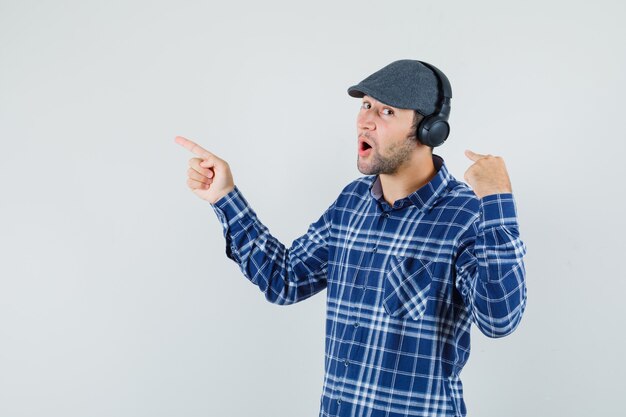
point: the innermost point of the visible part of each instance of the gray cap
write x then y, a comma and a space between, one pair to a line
405, 84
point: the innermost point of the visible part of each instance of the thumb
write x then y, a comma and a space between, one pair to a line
473, 155
210, 161
207, 164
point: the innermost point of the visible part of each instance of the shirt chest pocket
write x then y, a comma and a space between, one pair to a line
406, 288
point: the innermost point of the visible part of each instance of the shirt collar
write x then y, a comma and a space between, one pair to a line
426, 196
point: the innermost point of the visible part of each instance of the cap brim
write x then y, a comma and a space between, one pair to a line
355, 92
360, 91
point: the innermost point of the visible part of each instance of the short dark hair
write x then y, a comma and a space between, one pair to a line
417, 118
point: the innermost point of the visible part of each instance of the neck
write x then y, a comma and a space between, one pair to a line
409, 178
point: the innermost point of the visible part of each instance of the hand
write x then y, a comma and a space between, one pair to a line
487, 175
209, 176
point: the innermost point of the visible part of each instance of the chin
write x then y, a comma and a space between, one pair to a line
364, 170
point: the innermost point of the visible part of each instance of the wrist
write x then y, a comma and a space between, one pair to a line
223, 193
484, 192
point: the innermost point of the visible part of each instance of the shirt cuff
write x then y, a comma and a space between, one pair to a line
230, 209
497, 210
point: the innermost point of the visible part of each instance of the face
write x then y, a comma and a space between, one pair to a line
383, 132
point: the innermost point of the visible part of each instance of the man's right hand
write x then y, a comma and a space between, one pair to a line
209, 176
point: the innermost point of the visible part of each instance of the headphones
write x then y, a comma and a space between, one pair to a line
433, 130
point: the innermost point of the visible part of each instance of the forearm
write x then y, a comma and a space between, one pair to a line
496, 287
285, 276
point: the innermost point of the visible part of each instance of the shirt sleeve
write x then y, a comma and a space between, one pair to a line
284, 275
490, 271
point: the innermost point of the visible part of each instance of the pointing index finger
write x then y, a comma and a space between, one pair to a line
193, 147
473, 155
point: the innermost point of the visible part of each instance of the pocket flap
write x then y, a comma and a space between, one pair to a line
406, 287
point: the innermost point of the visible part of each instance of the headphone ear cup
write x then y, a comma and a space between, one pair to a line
433, 131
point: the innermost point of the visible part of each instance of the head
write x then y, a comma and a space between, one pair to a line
394, 102
387, 137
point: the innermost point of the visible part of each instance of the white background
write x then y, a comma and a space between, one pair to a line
116, 297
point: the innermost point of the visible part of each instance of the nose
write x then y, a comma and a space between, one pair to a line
364, 119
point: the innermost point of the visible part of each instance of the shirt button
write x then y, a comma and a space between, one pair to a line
374, 249
385, 215
364, 288
356, 324
338, 400
346, 362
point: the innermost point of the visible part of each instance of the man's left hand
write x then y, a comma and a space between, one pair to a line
487, 175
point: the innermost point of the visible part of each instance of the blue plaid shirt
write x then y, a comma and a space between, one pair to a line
403, 283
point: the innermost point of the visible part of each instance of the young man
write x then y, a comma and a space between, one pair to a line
410, 257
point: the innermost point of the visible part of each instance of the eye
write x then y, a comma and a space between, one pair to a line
365, 105
389, 112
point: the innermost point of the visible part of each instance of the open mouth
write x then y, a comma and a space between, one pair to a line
364, 148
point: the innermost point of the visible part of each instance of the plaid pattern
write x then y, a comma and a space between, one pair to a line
404, 284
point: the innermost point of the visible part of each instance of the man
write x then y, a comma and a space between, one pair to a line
410, 257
